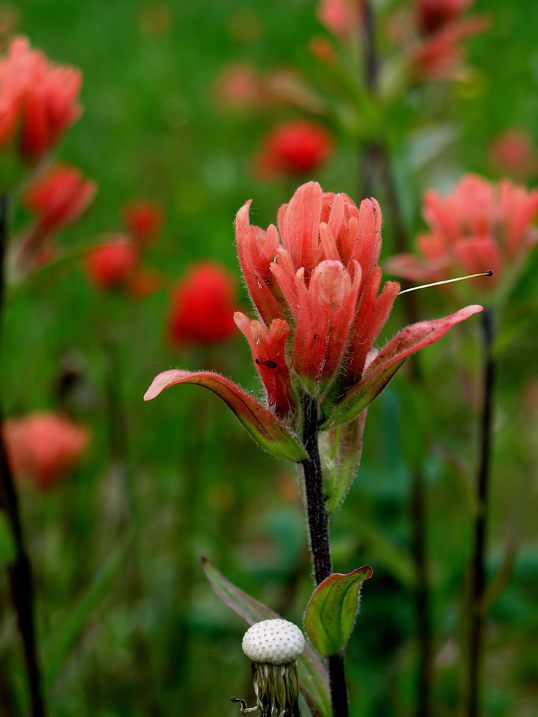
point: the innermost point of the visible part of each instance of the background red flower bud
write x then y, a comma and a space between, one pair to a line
203, 305
113, 264
42, 447
294, 148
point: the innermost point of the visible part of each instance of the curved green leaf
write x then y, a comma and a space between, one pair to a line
332, 610
260, 422
312, 673
340, 452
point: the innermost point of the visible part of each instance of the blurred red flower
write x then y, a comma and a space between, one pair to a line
294, 148
238, 87
433, 15
479, 226
42, 447
440, 56
143, 220
514, 153
38, 100
341, 17
144, 282
58, 197
112, 265
203, 306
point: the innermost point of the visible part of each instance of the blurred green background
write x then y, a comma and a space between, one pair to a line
127, 623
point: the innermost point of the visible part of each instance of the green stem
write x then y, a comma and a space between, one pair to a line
20, 573
478, 584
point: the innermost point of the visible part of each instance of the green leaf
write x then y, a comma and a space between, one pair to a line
312, 673
58, 647
7, 544
260, 422
340, 452
332, 610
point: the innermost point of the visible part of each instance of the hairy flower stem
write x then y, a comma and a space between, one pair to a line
20, 573
478, 584
318, 528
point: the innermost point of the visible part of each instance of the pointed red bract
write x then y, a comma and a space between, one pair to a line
338, 410
260, 422
268, 350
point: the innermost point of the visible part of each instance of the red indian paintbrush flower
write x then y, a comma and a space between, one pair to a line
514, 153
42, 447
294, 148
57, 198
203, 306
433, 15
112, 265
38, 100
315, 283
478, 227
143, 220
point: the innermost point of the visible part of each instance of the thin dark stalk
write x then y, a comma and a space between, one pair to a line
20, 573
376, 166
478, 578
421, 593
318, 529
371, 151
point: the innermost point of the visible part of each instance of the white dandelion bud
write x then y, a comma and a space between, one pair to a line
274, 646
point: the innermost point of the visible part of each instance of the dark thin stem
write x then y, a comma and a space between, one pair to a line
478, 585
376, 167
421, 594
318, 529
371, 153
20, 574
318, 521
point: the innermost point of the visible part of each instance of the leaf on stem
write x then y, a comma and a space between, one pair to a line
332, 610
260, 422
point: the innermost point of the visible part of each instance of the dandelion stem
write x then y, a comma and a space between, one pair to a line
20, 573
478, 578
318, 528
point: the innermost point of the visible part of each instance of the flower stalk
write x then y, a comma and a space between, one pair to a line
20, 573
478, 578
318, 530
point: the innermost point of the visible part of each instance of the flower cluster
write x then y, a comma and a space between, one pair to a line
478, 227
38, 100
315, 282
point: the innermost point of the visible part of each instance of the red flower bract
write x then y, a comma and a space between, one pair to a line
43, 446
294, 148
38, 100
112, 265
203, 304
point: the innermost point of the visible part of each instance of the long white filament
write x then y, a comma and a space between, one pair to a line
446, 281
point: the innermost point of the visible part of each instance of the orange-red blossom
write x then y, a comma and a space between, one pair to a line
316, 284
38, 100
